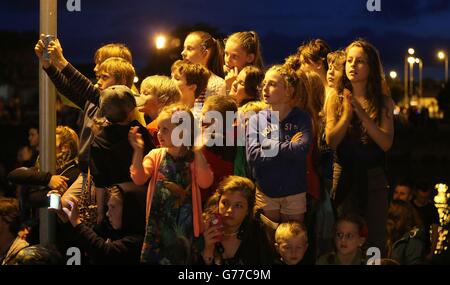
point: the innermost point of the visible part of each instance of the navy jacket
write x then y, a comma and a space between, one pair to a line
277, 165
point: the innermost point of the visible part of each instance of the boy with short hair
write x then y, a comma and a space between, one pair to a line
192, 80
157, 91
291, 243
77, 88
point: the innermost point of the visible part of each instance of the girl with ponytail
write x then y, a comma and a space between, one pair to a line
200, 47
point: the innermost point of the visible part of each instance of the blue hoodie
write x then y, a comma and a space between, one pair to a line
285, 173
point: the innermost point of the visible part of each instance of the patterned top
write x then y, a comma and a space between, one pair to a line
216, 86
169, 231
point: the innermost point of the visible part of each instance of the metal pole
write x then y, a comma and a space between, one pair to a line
420, 77
446, 68
411, 81
47, 119
405, 75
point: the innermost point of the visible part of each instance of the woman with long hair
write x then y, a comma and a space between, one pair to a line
360, 128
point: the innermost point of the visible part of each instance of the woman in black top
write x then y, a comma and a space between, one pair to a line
360, 128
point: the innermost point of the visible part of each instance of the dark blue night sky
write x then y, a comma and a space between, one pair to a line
282, 24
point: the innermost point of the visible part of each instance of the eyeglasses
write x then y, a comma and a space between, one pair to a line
348, 236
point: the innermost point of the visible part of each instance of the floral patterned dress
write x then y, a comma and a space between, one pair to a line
169, 232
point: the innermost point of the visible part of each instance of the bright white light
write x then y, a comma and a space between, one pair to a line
411, 51
441, 55
393, 74
160, 42
136, 79
417, 60
411, 60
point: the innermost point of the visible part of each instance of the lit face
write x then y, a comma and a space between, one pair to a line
114, 212
233, 207
236, 56
33, 137
402, 192
187, 91
151, 106
238, 88
356, 65
293, 249
347, 238
104, 80
332, 76
193, 51
274, 90
165, 128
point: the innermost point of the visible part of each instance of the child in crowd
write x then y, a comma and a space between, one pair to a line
244, 114
291, 242
241, 49
111, 151
351, 234
191, 79
78, 89
277, 153
200, 47
405, 234
10, 242
246, 87
176, 172
157, 92
118, 239
220, 138
313, 58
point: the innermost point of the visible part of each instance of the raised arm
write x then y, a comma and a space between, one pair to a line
336, 128
141, 168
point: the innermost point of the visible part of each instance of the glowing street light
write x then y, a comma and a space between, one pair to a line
393, 74
136, 79
160, 41
443, 56
411, 51
411, 60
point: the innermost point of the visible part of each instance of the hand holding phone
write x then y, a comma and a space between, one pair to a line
55, 201
47, 39
216, 220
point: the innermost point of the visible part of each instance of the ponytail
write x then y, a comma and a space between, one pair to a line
216, 58
249, 41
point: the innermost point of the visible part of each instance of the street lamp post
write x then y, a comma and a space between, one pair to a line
443, 56
411, 61
411, 51
420, 62
405, 76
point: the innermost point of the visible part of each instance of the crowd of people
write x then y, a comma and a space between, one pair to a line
159, 176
